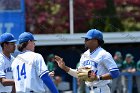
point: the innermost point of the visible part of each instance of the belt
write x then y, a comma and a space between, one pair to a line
93, 87
31, 91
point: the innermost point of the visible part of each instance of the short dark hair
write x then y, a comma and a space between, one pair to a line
100, 42
22, 46
2, 44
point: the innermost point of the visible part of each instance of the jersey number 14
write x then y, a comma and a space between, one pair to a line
21, 72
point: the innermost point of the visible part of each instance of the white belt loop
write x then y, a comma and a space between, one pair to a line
91, 88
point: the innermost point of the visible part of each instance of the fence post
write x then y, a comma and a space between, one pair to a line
130, 82
74, 85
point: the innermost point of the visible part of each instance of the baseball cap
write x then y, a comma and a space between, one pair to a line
7, 37
129, 55
51, 56
25, 37
118, 53
94, 33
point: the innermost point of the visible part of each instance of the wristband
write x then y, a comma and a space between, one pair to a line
73, 72
101, 78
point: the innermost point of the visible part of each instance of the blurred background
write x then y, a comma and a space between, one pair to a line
58, 26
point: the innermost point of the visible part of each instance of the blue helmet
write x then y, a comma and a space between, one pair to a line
25, 37
93, 33
7, 37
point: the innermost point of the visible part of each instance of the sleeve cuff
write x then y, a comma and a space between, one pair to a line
1, 76
43, 73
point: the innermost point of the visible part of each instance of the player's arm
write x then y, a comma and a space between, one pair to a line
4, 81
7, 82
43, 73
111, 66
111, 75
61, 64
107, 76
49, 83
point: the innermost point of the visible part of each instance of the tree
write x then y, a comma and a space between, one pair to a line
45, 16
52, 16
129, 12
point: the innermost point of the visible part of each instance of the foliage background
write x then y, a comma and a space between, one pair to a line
52, 16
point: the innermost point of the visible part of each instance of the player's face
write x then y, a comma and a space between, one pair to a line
10, 47
128, 59
31, 45
91, 43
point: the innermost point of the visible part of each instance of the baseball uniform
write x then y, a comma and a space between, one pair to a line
29, 69
103, 67
7, 42
5, 71
29, 66
101, 62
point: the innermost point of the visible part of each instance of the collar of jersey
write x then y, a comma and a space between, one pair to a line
6, 57
24, 51
94, 50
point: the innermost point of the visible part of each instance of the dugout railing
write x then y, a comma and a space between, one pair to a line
127, 74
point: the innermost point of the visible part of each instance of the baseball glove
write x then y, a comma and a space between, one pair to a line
83, 74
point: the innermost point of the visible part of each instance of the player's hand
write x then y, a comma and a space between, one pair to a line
60, 62
83, 74
51, 73
92, 76
131, 70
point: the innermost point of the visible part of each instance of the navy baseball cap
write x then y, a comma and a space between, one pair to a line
25, 37
7, 37
94, 33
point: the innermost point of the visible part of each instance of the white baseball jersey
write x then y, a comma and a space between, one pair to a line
27, 68
5, 71
101, 62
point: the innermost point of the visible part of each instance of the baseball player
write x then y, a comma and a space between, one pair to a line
29, 70
7, 42
103, 68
